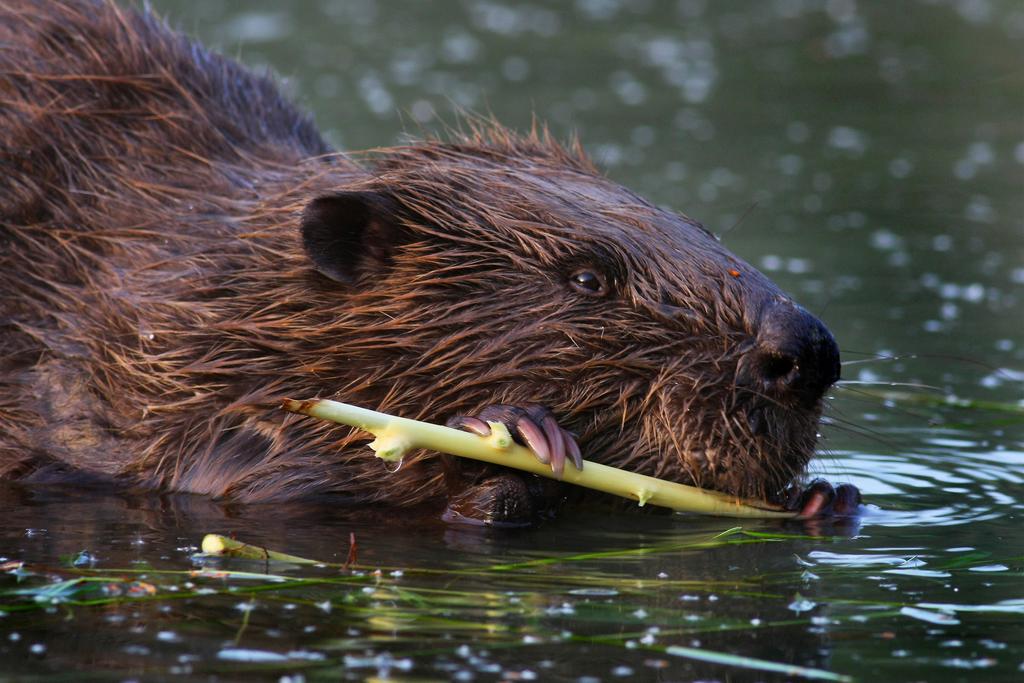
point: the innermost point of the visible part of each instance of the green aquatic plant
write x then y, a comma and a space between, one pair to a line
520, 608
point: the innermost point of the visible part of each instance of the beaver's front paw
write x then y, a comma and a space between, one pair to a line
532, 426
501, 501
821, 499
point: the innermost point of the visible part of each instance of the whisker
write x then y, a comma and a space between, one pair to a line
851, 427
843, 383
750, 208
865, 397
876, 357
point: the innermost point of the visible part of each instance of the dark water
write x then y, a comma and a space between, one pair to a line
873, 156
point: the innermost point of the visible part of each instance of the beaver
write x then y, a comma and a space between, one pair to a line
181, 249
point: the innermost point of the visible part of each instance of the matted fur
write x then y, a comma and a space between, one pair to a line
156, 302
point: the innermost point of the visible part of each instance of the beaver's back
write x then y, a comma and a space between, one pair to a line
126, 68
129, 155
93, 93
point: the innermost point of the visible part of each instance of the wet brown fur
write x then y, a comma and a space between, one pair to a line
156, 302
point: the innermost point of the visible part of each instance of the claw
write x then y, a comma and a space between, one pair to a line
813, 499
535, 438
847, 500
532, 426
470, 424
821, 499
573, 450
556, 441
816, 500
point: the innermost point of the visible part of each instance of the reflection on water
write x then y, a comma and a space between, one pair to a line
868, 156
633, 595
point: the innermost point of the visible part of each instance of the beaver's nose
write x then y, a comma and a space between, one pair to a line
792, 356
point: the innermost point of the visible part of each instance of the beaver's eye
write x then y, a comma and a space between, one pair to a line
588, 282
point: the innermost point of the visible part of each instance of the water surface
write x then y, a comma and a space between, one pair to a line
868, 156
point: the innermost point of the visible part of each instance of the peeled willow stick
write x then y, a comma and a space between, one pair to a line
398, 435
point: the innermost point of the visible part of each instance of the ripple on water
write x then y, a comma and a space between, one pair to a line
953, 485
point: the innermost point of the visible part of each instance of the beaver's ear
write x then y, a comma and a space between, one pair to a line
350, 234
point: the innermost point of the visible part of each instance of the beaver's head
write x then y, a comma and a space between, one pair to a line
505, 270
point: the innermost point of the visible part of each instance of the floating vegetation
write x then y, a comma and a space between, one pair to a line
477, 620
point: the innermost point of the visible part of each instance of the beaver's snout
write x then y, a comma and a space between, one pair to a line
793, 357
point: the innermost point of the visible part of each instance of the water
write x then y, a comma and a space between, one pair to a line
869, 157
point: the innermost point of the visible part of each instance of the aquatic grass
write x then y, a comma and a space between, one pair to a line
632, 642
523, 574
943, 400
92, 580
81, 598
62, 591
752, 663
424, 613
215, 545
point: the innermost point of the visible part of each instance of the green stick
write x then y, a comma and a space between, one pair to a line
397, 435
